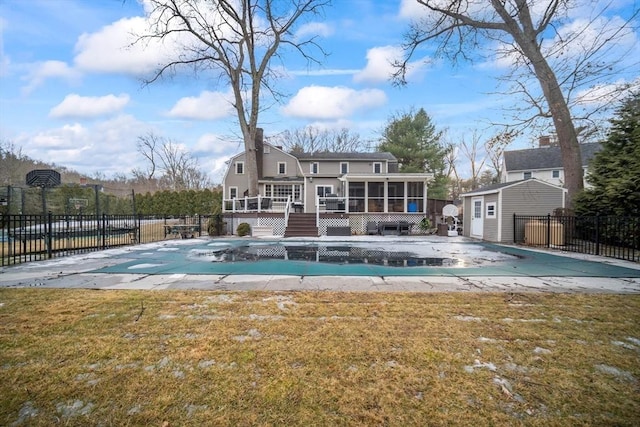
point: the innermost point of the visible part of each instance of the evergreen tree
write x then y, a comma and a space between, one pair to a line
413, 139
614, 172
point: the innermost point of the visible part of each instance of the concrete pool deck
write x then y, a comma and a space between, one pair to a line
488, 268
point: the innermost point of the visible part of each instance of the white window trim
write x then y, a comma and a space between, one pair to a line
237, 164
491, 205
285, 168
554, 172
317, 168
374, 167
231, 189
347, 167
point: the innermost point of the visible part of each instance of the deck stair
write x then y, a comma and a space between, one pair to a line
301, 225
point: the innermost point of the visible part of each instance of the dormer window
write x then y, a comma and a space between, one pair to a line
377, 167
240, 168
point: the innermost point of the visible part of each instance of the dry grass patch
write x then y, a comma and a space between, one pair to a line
306, 358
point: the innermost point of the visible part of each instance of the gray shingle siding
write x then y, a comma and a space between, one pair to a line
529, 198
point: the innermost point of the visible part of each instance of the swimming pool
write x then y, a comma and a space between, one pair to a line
374, 256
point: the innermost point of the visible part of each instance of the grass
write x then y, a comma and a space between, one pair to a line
83, 357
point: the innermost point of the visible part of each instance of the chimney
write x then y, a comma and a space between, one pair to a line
259, 142
544, 141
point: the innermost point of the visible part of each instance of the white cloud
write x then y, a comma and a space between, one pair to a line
76, 106
112, 49
42, 71
314, 29
207, 106
607, 93
210, 143
329, 103
107, 147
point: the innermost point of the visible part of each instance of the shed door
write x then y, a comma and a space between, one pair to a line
476, 217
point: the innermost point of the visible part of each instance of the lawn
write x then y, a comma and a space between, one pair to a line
174, 358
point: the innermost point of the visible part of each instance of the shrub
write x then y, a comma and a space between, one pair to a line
216, 226
244, 229
425, 224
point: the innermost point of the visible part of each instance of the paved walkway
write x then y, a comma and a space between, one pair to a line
138, 268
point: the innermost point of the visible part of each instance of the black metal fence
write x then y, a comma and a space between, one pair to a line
610, 236
25, 238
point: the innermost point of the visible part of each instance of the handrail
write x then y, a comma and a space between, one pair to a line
287, 209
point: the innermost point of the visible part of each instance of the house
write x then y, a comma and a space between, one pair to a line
336, 190
489, 210
543, 163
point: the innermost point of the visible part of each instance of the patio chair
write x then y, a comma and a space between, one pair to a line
372, 227
265, 204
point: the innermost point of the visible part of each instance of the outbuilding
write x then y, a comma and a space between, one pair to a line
488, 211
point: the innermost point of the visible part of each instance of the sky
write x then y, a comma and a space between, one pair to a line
72, 88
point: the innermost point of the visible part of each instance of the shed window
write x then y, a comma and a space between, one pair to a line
491, 210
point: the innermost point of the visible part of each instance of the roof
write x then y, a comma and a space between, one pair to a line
345, 156
544, 157
495, 188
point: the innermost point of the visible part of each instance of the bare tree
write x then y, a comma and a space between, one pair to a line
237, 41
311, 139
180, 170
494, 148
472, 152
517, 30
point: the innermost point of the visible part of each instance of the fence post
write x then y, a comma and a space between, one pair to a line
597, 234
139, 230
49, 234
200, 222
548, 230
514, 228
104, 231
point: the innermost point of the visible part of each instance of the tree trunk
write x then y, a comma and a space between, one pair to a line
562, 120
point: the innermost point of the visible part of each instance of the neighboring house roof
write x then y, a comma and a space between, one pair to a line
544, 157
345, 156
495, 188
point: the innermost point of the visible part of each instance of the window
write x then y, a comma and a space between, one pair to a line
314, 168
323, 191
356, 197
555, 174
526, 175
491, 210
282, 168
396, 196
233, 192
344, 167
377, 167
280, 192
376, 197
240, 168
266, 149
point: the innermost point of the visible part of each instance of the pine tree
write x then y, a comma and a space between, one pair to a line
413, 139
614, 172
